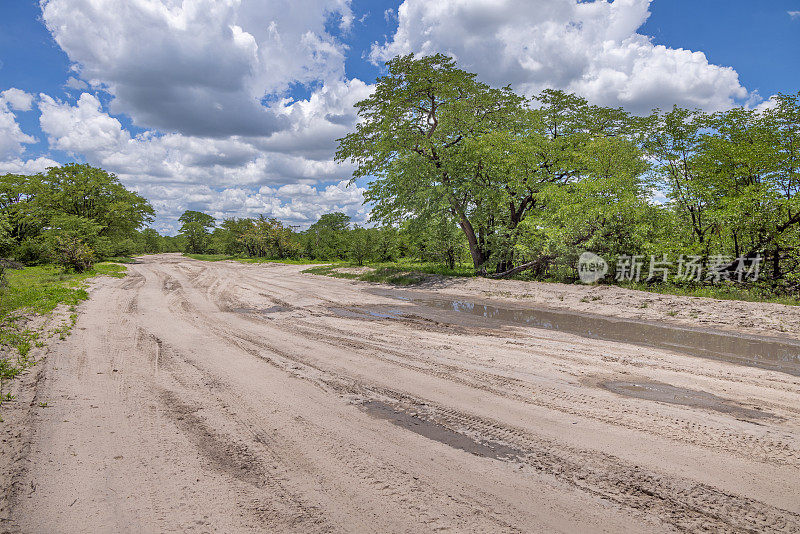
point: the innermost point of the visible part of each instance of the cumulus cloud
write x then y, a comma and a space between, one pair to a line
30, 166
204, 67
235, 176
209, 82
17, 99
12, 138
75, 83
591, 48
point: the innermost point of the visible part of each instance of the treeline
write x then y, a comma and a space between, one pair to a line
534, 182
461, 171
333, 237
73, 215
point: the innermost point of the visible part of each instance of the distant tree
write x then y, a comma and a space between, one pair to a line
269, 238
386, 246
195, 229
361, 245
151, 241
92, 193
6, 240
327, 238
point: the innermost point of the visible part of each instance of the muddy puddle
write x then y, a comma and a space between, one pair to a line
658, 391
755, 351
436, 432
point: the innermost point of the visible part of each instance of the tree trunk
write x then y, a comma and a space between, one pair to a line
776, 264
478, 258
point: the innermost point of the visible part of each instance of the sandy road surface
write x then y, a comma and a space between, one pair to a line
224, 397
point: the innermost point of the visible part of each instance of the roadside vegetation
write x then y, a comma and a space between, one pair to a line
468, 179
678, 201
56, 230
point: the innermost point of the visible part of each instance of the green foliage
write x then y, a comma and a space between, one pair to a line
539, 181
74, 254
327, 238
361, 245
195, 229
68, 203
6, 240
269, 238
416, 136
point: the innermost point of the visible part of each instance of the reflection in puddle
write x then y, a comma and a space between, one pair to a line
754, 351
658, 391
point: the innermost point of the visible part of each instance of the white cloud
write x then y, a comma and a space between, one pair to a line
31, 166
83, 129
17, 99
234, 176
769, 103
591, 48
795, 15
12, 138
201, 67
75, 83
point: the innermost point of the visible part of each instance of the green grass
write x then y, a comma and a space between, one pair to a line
119, 259
402, 273
225, 257
720, 292
38, 290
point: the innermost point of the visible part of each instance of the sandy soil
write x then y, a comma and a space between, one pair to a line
226, 397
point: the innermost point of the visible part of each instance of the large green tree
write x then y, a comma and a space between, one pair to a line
195, 229
413, 139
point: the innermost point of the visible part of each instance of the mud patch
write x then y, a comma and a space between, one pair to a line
775, 354
660, 392
367, 313
260, 311
442, 434
222, 452
170, 284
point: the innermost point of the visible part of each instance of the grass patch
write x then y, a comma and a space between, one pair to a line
402, 273
720, 292
119, 259
225, 257
38, 290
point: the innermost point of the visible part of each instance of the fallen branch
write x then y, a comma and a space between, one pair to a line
524, 267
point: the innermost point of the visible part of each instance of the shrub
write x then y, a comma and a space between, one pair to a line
72, 253
31, 252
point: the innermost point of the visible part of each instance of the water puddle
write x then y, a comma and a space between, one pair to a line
658, 391
433, 431
771, 353
367, 313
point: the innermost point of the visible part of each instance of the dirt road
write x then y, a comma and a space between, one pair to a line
224, 397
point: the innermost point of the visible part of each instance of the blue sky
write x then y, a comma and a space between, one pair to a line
234, 108
758, 39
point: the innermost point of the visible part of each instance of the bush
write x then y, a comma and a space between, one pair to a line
31, 252
74, 254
